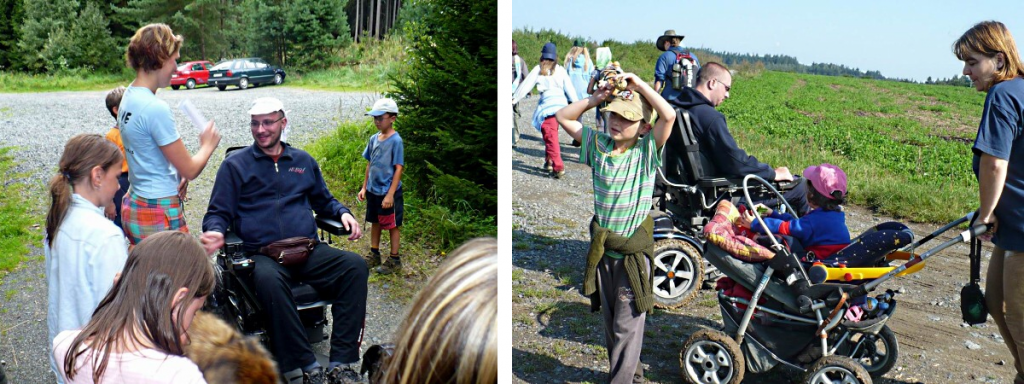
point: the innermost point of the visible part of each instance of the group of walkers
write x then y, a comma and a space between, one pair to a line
623, 152
125, 278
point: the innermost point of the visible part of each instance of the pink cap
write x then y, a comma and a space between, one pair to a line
826, 178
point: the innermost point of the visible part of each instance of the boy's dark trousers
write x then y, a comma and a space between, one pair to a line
340, 279
623, 324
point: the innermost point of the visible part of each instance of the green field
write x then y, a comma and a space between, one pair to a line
906, 148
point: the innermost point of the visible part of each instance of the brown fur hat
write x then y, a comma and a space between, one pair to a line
225, 356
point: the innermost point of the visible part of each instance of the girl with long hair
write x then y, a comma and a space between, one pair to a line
579, 66
993, 63
556, 92
83, 249
450, 333
139, 331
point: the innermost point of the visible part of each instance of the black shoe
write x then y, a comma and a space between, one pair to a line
314, 376
344, 374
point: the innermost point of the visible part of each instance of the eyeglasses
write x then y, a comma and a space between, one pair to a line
266, 123
727, 86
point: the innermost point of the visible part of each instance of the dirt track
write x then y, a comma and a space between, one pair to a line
557, 339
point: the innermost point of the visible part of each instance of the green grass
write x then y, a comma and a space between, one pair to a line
363, 67
13, 82
17, 220
904, 147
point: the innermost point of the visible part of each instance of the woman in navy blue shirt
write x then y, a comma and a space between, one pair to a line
992, 62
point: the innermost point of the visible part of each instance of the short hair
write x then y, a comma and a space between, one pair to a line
990, 38
151, 46
709, 71
825, 202
449, 335
114, 99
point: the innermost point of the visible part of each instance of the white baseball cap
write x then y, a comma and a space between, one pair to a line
265, 105
383, 106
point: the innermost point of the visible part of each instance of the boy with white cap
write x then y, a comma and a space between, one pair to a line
382, 186
617, 277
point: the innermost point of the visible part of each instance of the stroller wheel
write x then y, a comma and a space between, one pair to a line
835, 369
710, 356
877, 353
678, 273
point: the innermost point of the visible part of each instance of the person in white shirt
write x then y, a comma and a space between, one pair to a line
139, 331
83, 249
556, 92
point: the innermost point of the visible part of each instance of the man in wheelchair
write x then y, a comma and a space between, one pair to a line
268, 192
722, 156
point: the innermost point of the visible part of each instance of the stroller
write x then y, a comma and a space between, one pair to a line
816, 328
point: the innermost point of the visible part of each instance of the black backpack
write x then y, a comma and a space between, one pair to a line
683, 70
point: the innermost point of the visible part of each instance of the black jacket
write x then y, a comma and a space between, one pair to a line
263, 201
715, 140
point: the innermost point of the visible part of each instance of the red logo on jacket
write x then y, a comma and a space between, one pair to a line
297, 170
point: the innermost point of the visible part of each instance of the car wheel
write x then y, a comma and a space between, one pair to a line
222, 87
278, 79
190, 84
243, 83
175, 87
678, 271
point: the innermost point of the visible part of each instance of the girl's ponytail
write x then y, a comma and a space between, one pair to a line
60, 201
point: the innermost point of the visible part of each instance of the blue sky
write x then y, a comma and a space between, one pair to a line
906, 39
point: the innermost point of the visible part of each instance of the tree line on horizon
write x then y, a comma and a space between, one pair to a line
45, 36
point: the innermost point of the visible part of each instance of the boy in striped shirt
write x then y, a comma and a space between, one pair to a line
624, 162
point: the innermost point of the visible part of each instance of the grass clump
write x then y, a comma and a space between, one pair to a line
15, 82
17, 222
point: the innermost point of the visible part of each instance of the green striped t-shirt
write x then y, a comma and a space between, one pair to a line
623, 184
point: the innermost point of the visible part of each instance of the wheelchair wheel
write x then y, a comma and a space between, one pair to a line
836, 369
678, 273
710, 356
877, 353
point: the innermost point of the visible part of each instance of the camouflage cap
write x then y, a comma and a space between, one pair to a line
631, 106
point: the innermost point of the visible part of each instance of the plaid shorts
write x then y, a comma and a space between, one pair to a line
141, 217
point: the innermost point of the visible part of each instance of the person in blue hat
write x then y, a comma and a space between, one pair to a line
556, 92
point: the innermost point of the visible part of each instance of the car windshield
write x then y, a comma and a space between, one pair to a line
224, 65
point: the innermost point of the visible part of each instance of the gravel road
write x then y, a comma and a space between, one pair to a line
557, 339
37, 125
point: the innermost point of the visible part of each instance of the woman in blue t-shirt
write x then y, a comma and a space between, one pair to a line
992, 62
159, 166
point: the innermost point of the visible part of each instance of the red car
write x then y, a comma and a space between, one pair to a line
191, 73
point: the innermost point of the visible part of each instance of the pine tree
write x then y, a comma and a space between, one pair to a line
11, 16
448, 109
43, 17
96, 48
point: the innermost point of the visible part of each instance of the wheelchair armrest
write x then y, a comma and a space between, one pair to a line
787, 185
235, 258
232, 243
331, 226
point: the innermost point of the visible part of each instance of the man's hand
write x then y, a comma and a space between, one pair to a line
783, 174
108, 211
352, 226
362, 194
212, 241
990, 219
183, 189
389, 201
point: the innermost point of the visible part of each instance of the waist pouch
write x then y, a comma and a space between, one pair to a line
290, 251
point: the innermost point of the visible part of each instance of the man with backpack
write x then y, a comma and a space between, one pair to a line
676, 68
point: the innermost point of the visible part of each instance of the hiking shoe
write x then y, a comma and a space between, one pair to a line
548, 167
558, 175
372, 259
344, 374
314, 376
392, 264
